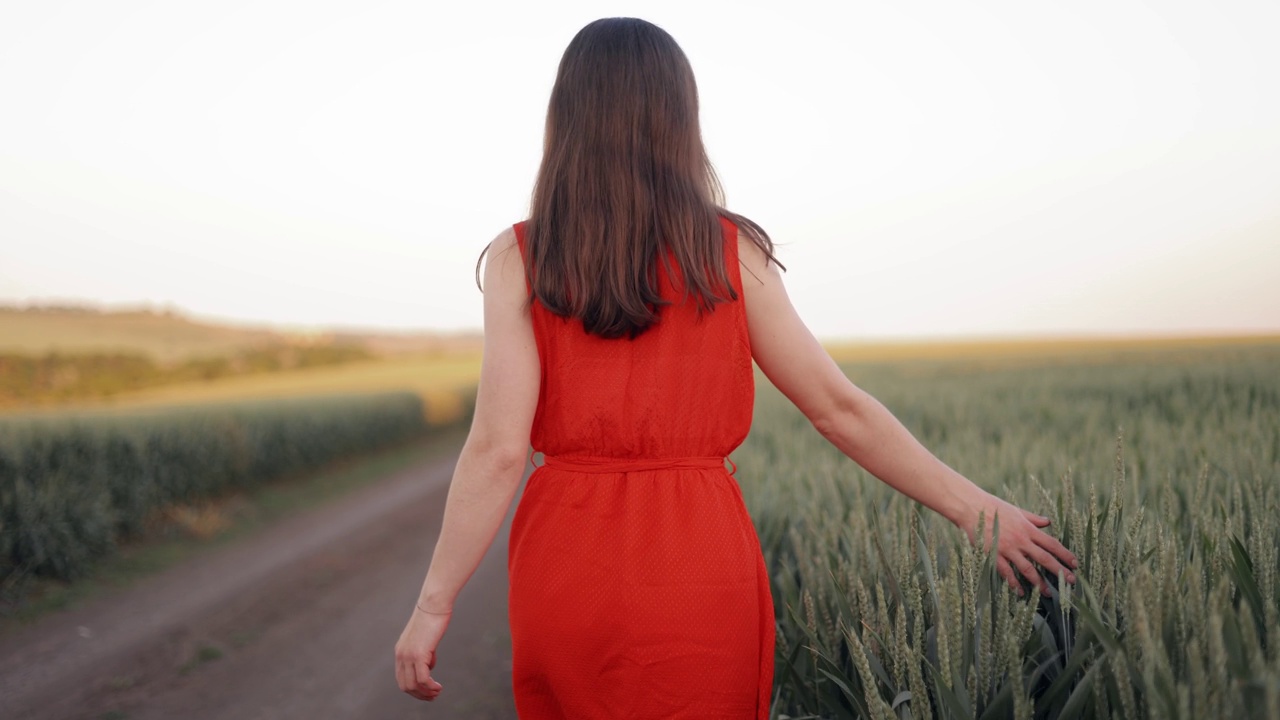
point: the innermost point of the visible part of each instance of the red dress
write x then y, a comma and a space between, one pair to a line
637, 585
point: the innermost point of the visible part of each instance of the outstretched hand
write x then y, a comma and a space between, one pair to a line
1022, 543
416, 654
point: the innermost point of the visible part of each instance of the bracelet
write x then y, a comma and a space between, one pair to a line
430, 612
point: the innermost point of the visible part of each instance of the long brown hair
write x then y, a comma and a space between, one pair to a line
625, 181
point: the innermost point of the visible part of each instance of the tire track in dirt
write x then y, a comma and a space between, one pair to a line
298, 620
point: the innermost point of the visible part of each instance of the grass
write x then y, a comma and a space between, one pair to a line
204, 654
192, 530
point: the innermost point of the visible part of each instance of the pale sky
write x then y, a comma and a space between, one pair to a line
928, 169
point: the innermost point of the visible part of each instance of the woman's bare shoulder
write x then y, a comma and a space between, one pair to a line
504, 241
755, 262
504, 250
500, 261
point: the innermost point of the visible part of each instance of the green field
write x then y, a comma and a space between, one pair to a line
1159, 467
74, 487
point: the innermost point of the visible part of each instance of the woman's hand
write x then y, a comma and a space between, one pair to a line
1022, 542
416, 654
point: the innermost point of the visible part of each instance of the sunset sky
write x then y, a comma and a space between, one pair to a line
928, 169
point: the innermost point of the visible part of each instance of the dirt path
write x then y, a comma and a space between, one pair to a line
296, 621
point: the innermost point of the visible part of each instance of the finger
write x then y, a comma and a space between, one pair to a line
426, 683
1029, 572
1053, 545
1006, 571
1037, 520
401, 680
404, 678
1049, 562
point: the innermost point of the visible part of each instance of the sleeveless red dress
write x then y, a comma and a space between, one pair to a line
637, 585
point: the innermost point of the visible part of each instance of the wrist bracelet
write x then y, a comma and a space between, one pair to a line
430, 612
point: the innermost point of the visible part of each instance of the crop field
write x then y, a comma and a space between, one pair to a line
1158, 462
1160, 469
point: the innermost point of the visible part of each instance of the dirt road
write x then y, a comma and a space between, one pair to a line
296, 621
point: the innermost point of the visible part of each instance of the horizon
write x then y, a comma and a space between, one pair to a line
928, 172
54, 306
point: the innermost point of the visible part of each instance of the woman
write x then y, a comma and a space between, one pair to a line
621, 321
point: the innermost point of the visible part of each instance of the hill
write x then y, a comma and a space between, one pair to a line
168, 336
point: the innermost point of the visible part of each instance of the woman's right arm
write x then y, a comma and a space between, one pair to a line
864, 430
489, 467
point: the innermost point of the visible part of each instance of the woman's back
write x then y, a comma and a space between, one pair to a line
683, 388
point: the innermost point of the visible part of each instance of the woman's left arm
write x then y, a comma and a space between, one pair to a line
865, 431
489, 468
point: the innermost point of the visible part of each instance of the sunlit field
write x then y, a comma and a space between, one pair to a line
59, 360
1159, 468
442, 382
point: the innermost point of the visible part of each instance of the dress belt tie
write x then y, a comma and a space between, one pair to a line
624, 465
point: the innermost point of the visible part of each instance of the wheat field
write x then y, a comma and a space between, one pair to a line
1159, 469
